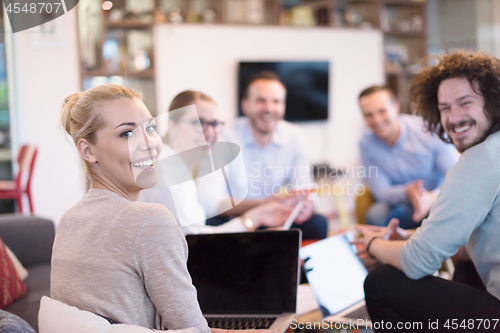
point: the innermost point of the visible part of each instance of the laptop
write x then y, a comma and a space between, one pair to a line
246, 280
336, 276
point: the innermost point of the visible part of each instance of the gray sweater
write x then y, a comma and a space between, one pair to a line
467, 212
125, 260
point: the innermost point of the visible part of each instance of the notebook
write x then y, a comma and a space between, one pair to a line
336, 276
246, 280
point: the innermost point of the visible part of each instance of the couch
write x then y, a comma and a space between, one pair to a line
31, 239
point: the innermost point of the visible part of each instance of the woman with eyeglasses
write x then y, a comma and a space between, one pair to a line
193, 126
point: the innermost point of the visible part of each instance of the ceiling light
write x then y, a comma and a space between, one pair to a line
106, 5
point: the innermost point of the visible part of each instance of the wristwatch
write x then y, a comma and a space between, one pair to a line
248, 223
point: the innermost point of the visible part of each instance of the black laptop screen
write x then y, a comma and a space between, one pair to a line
245, 273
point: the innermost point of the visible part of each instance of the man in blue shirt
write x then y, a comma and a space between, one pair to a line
275, 158
405, 165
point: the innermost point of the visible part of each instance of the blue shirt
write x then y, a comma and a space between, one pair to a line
281, 165
417, 154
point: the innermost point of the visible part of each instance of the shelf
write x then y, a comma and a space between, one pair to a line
380, 14
404, 3
410, 34
128, 25
363, 2
148, 73
399, 74
388, 2
319, 4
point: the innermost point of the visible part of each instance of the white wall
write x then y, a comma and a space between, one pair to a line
43, 70
457, 24
472, 24
205, 58
496, 28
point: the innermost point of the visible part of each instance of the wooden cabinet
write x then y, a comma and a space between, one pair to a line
403, 22
116, 45
405, 29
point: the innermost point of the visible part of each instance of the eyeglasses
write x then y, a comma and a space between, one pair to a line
218, 126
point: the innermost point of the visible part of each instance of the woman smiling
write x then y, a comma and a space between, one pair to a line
113, 256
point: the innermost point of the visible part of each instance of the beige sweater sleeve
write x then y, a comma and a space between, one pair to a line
159, 248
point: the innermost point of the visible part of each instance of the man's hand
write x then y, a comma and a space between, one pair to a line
386, 242
421, 199
272, 214
427, 200
391, 232
414, 192
292, 200
306, 212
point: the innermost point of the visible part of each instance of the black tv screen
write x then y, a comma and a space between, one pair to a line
306, 83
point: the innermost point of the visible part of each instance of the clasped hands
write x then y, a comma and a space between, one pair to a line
421, 199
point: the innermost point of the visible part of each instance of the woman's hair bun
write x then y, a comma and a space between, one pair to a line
68, 104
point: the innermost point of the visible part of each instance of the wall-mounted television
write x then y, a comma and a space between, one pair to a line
306, 82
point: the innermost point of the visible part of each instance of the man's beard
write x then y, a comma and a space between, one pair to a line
257, 128
483, 137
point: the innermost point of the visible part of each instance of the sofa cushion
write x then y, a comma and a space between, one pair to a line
29, 237
21, 271
11, 285
38, 283
57, 317
38, 277
10, 323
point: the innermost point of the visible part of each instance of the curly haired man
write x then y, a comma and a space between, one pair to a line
459, 99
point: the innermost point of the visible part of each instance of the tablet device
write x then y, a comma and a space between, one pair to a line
293, 215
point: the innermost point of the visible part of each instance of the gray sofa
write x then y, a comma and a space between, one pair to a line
31, 239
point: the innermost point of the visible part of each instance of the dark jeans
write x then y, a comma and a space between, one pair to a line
466, 272
434, 302
314, 228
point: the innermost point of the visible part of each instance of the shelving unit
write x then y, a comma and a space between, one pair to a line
128, 25
116, 45
404, 25
113, 41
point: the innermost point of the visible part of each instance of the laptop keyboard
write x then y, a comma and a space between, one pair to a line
240, 323
361, 313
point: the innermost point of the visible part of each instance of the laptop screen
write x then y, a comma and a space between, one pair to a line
335, 273
245, 273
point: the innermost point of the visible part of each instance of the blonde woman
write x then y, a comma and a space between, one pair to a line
121, 259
